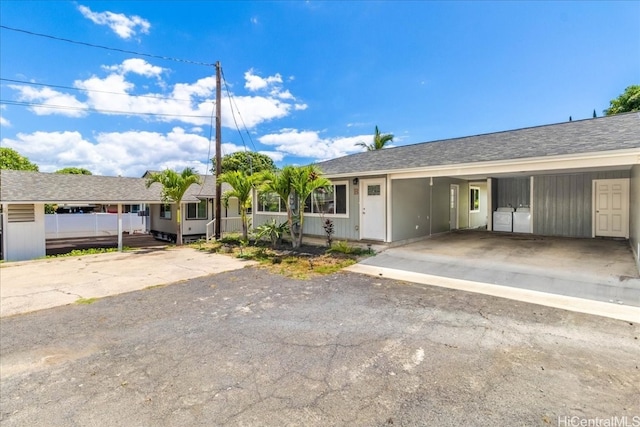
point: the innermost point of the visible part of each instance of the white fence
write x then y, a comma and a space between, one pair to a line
59, 226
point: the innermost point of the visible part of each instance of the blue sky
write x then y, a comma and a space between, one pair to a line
308, 79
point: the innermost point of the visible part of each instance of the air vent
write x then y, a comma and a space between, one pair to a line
21, 213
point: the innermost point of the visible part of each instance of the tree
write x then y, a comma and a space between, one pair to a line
249, 162
74, 171
628, 101
242, 190
379, 141
294, 185
174, 185
11, 159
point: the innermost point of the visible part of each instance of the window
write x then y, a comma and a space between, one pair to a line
332, 201
165, 211
197, 210
474, 199
373, 190
270, 202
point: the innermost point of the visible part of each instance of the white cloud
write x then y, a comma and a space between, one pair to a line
136, 66
309, 144
255, 82
4, 122
124, 26
128, 153
58, 102
187, 103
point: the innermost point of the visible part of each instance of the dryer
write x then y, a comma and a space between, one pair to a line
503, 219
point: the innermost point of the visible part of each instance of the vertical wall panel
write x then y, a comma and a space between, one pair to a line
513, 191
410, 205
562, 204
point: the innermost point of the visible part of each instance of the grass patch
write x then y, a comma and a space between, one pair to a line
90, 251
86, 301
299, 265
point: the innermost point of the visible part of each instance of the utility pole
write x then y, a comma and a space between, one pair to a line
218, 209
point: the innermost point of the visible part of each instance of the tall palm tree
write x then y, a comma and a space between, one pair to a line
242, 186
379, 141
279, 182
174, 185
304, 181
294, 185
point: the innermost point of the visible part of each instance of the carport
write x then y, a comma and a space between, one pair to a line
600, 269
25, 193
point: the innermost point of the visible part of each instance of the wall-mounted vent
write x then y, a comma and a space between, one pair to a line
21, 213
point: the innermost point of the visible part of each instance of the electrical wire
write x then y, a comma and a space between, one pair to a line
93, 90
97, 110
232, 100
148, 55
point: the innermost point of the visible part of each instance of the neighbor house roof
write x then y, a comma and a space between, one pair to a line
37, 187
570, 138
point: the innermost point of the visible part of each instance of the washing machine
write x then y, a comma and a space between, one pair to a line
503, 219
522, 220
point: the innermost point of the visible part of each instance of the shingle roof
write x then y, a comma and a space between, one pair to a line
37, 187
584, 136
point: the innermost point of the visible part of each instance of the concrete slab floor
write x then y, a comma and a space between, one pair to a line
600, 270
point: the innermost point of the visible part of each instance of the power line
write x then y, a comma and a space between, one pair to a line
96, 110
148, 55
231, 103
94, 90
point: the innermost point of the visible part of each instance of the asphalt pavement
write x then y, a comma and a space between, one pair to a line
248, 348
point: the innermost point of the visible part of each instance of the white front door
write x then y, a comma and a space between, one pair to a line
611, 216
373, 209
453, 206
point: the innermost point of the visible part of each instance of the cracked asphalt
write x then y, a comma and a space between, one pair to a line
249, 348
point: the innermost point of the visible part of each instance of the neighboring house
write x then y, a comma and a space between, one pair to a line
198, 210
574, 179
23, 195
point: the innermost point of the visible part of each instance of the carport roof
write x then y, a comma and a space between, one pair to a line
37, 187
608, 133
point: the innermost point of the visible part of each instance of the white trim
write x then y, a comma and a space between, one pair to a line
388, 216
473, 187
361, 191
598, 159
594, 190
457, 217
531, 203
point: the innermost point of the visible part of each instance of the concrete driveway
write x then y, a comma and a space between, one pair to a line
247, 348
561, 272
35, 285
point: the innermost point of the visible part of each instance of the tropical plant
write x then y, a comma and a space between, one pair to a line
304, 181
379, 141
11, 159
174, 185
329, 230
273, 231
626, 102
242, 187
294, 185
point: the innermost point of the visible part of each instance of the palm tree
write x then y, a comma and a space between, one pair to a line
280, 183
294, 185
304, 181
242, 189
379, 141
174, 186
